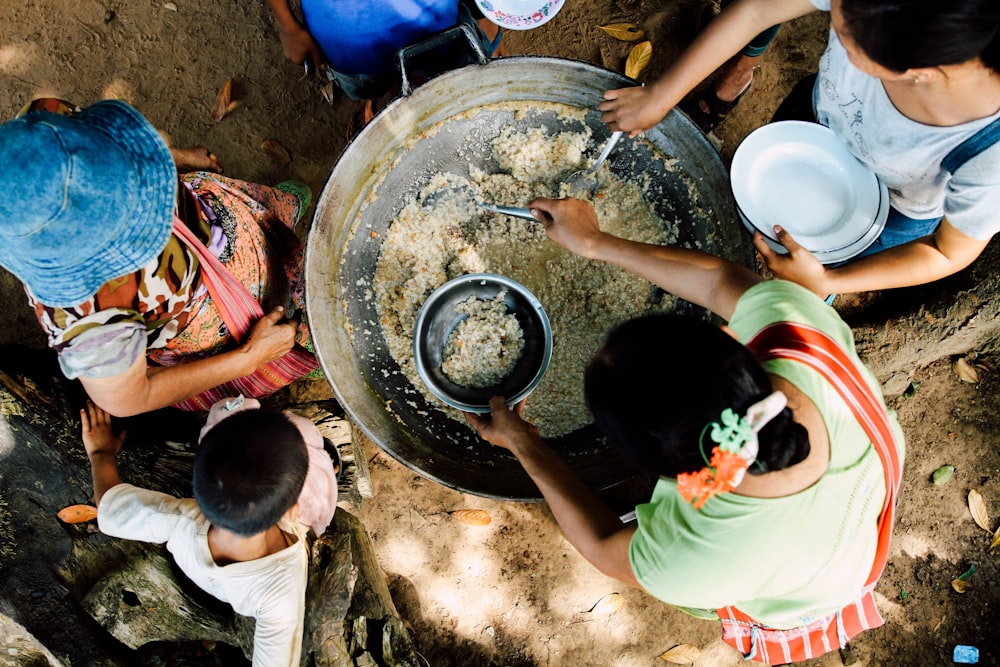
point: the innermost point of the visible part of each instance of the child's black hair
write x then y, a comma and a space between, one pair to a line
660, 379
249, 470
911, 34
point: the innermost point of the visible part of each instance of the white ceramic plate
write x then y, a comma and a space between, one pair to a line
851, 249
801, 176
519, 14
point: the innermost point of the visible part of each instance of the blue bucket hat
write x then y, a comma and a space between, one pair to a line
86, 198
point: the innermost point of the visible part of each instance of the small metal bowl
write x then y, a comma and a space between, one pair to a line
437, 319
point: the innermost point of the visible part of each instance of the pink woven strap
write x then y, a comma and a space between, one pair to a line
812, 347
239, 310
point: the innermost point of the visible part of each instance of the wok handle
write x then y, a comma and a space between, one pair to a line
438, 39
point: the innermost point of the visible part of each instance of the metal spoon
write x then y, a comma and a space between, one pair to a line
584, 179
463, 194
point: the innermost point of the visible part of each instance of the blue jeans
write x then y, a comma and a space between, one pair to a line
372, 86
900, 229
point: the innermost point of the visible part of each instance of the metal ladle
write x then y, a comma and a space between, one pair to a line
584, 179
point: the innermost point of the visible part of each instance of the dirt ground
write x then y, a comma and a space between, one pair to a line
515, 592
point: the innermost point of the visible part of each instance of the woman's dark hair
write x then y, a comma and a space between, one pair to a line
660, 379
907, 34
249, 470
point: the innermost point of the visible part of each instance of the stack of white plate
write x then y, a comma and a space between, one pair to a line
801, 176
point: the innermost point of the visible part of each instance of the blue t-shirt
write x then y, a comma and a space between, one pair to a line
363, 36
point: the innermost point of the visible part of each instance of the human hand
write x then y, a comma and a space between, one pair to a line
799, 265
571, 223
504, 427
96, 433
197, 158
270, 338
298, 45
632, 110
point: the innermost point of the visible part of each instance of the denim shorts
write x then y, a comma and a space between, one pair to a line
900, 229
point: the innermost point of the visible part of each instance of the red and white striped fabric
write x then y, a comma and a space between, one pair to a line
812, 347
239, 310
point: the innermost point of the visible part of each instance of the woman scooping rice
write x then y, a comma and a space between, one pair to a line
154, 289
913, 88
778, 462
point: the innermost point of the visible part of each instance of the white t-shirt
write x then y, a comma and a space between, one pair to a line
272, 589
906, 154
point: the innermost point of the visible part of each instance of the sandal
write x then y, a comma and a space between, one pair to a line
717, 109
302, 192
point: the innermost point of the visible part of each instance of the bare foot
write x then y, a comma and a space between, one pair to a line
197, 158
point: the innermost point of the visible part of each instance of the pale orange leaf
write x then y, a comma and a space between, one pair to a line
682, 654
222, 100
77, 514
472, 517
638, 58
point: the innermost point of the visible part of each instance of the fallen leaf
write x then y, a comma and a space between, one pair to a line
638, 58
626, 32
77, 514
960, 585
682, 654
977, 506
942, 474
171, 6
965, 371
472, 517
996, 540
222, 100
276, 151
608, 604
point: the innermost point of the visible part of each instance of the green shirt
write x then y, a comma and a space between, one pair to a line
784, 561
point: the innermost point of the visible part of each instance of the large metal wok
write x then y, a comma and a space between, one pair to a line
388, 163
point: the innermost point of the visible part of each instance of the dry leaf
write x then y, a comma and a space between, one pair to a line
77, 514
996, 540
171, 6
682, 654
626, 32
472, 517
608, 604
222, 100
638, 58
965, 371
276, 151
978, 508
961, 585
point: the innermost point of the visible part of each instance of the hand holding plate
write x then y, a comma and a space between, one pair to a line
799, 265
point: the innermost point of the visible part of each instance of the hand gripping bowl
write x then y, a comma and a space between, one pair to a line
389, 162
438, 318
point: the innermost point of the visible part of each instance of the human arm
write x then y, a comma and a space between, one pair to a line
140, 389
636, 109
296, 42
589, 524
708, 281
102, 445
923, 260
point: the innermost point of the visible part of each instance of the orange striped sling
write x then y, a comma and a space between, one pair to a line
812, 347
239, 310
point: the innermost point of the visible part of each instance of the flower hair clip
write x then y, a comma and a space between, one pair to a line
735, 450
